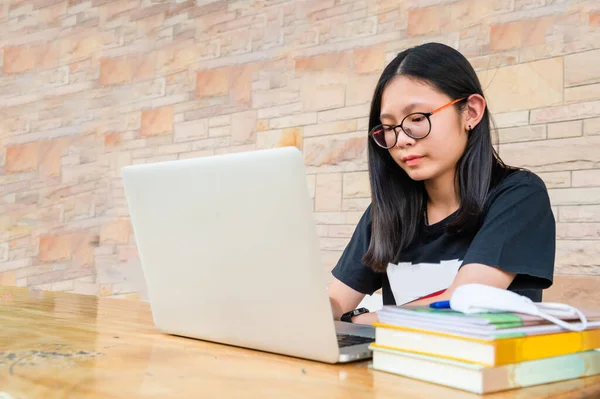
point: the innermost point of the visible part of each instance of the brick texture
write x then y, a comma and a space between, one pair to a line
89, 87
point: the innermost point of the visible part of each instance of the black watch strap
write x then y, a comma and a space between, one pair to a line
347, 317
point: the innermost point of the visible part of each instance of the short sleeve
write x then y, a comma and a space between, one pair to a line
518, 233
350, 269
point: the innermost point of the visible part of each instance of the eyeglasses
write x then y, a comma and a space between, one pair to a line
416, 125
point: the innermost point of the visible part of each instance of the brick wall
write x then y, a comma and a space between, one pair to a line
87, 87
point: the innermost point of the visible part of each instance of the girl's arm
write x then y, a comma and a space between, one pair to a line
343, 298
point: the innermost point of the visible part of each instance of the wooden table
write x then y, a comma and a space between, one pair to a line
60, 345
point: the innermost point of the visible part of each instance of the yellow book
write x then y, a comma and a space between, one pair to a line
485, 352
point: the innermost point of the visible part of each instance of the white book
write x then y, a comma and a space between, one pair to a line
480, 379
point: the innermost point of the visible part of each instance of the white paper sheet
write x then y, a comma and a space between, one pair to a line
413, 281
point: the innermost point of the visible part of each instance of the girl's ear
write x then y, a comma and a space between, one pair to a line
473, 112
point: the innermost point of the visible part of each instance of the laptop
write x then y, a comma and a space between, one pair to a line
230, 254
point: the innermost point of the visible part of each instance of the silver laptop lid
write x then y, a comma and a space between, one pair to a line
229, 251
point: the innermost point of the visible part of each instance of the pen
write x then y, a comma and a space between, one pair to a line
440, 305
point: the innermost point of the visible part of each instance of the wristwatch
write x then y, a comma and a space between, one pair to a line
347, 317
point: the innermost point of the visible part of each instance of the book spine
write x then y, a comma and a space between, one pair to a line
517, 350
543, 371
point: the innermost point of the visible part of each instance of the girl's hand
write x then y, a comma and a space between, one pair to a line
366, 318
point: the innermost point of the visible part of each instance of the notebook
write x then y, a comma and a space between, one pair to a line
487, 326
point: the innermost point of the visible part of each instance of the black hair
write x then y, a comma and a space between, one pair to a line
399, 202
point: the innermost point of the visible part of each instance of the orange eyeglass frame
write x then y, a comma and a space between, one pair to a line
426, 114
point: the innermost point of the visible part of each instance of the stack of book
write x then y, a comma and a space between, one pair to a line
485, 352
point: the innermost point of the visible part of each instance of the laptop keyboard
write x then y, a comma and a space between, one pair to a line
349, 340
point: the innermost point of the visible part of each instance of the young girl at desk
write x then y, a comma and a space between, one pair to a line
443, 203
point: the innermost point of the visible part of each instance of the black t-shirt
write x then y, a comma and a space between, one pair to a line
517, 235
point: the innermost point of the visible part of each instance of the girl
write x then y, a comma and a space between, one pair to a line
442, 200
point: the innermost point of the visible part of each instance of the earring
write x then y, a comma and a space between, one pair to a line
470, 128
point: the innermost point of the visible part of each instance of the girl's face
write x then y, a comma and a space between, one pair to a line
437, 153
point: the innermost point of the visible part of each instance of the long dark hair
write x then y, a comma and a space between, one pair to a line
398, 202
